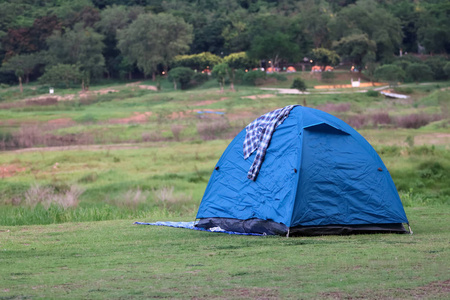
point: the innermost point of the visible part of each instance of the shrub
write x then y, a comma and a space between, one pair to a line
381, 118
211, 129
372, 93
299, 84
446, 69
437, 64
200, 78
419, 72
416, 120
254, 77
277, 76
47, 196
390, 73
181, 75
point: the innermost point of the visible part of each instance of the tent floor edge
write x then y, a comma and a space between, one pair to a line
268, 227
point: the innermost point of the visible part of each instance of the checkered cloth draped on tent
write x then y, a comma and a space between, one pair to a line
259, 134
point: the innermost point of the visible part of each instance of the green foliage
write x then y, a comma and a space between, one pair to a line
419, 72
80, 46
372, 93
254, 77
437, 63
198, 62
61, 74
154, 39
390, 73
325, 57
181, 75
221, 72
359, 48
446, 69
299, 85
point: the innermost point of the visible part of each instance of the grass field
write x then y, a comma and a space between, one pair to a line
118, 260
76, 172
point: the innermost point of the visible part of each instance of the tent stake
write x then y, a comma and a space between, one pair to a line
410, 230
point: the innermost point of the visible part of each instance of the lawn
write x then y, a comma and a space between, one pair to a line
141, 155
119, 260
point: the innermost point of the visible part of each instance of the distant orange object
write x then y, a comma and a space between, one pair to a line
329, 69
316, 69
206, 71
291, 69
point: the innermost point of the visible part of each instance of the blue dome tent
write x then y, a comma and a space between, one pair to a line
319, 176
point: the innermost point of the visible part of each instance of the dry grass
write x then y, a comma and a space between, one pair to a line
47, 196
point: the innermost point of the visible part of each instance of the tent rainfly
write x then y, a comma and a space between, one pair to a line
318, 177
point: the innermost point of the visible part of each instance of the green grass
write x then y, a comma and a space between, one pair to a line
118, 260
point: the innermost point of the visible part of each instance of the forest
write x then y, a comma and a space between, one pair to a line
81, 41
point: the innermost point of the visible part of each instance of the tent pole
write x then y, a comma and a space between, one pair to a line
287, 235
410, 230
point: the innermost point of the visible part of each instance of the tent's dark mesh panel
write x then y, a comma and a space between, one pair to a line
273, 228
245, 226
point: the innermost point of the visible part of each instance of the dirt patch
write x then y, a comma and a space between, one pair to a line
432, 139
433, 290
254, 97
137, 117
251, 293
148, 87
10, 170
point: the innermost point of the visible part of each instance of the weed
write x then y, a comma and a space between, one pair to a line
212, 129
47, 196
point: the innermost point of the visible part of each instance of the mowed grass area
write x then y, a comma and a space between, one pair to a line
141, 155
119, 260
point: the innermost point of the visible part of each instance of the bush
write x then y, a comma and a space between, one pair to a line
277, 76
419, 72
180, 75
390, 73
372, 93
200, 78
446, 69
254, 77
299, 84
437, 64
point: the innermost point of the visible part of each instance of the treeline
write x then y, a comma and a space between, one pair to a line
83, 40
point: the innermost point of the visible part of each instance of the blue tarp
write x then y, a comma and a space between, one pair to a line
190, 225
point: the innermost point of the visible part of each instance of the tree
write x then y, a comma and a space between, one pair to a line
114, 18
61, 74
154, 39
201, 61
419, 72
434, 27
325, 57
447, 69
221, 73
299, 84
370, 23
358, 48
390, 73
80, 46
182, 75
314, 17
238, 60
22, 66
273, 47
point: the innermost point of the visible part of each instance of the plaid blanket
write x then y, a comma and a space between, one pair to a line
258, 136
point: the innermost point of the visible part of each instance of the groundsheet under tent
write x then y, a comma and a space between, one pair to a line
190, 225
